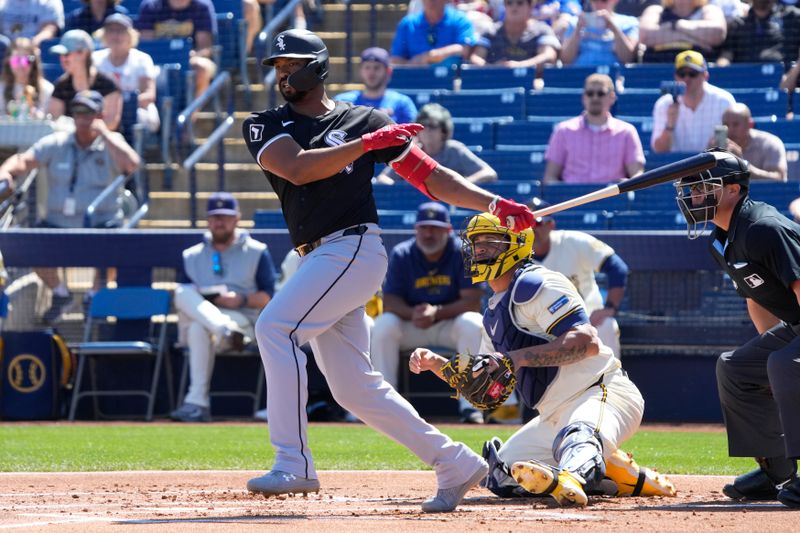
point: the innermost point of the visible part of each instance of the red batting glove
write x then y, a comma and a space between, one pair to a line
517, 217
388, 136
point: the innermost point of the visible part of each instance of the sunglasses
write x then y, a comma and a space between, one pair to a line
595, 94
216, 264
687, 73
19, 60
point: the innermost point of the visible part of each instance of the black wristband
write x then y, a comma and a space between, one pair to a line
243, 296
610, 305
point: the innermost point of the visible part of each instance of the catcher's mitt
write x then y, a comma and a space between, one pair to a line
485, 380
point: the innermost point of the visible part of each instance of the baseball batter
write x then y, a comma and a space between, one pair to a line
585, 403
319, 157
579, 256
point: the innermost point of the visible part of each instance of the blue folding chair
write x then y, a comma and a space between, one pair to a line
120, 325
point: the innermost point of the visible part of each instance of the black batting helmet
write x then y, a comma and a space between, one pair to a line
301, 44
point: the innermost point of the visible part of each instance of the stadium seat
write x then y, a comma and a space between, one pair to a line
524, 133
554, 102
645, 75
474, 132
763, 102
269, 219
774, 193
559, 192
398, 197
131, 333
654, 160
787, 130
490, 77
746, 75
524, 165
437, 77
643, 125
485, 103
521, 191
658, 198
648, 220
636, 102
591, 220
573, 76
421, 96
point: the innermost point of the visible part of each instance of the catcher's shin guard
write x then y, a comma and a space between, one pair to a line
540, 478
633, 480
577, 448
499, 480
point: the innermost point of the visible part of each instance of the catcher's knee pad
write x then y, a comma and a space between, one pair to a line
499, 480
577, 448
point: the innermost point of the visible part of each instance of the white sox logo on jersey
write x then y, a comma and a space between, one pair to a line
336, 138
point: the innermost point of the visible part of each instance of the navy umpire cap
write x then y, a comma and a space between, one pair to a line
301, 44
222, 203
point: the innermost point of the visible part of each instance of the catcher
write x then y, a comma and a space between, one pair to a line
538, 339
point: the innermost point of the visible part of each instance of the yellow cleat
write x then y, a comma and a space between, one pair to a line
633, 480
541, 478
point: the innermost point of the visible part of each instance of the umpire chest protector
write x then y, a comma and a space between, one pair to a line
532, 382
761, 254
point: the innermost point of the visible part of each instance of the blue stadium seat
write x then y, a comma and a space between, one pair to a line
658, 198
268, 219
521, 191
394, 219
648, 220
774, 193
437, 77
490, 77
398, 197
573, 76
421, 96
746, 75
485, 103
52, 71
589, 220
646, 75
763, 102
516, 165
636, 102
643, 125
654, 160
559, 192
475, 132
524, 132
554, 102
787, 130
229, 31
167, 51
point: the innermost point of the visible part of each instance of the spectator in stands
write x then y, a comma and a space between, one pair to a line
731, 9
481, 14
579, 256
635, 8
601, 37
677, 25
251, 12
556, 13
24, 92
428, 299
376, 72
686, 123
437, 141
80, 74
519, 41
132, 69
91, 16
80, 165
769, 32
594, 147
227, 280
764, 151
441, 34
38, 20
182, 19
789, 83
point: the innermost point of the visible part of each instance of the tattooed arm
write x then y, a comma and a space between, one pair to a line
575, 345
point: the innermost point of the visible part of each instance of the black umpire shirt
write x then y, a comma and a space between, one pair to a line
761, 253
342, 200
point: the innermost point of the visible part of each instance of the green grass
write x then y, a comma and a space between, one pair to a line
52, 448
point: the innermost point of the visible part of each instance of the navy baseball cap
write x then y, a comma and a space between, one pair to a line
375, 53
537, 203
433, 214
222, 203
91, 100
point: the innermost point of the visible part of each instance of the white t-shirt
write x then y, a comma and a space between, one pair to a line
554, 300
694, 128
138, 65
578, 256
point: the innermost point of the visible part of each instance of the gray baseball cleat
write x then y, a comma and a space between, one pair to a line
447, 499
276, 482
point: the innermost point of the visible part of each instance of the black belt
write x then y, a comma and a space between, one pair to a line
307, 248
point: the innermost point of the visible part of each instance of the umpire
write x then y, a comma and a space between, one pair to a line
759, 382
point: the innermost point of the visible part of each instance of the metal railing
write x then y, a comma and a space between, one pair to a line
183, 123
9, 206
110, 189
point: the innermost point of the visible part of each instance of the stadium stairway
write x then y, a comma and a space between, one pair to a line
170, 206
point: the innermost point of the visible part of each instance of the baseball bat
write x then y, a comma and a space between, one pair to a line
669, 172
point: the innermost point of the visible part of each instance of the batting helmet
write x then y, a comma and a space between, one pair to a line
301, 44
512, 247
697, 195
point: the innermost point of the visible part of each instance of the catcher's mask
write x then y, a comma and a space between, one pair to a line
301, 44
698, 196
498, 255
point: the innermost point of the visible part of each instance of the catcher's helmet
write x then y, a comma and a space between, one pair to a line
301, 44
518, 247
730, 170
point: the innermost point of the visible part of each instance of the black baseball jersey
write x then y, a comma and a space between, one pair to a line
340, 201
761, 253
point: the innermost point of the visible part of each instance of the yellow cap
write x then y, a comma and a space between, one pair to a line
690, 59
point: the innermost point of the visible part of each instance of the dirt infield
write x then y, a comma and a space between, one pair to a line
349, 501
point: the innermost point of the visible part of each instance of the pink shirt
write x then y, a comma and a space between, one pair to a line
589, 156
